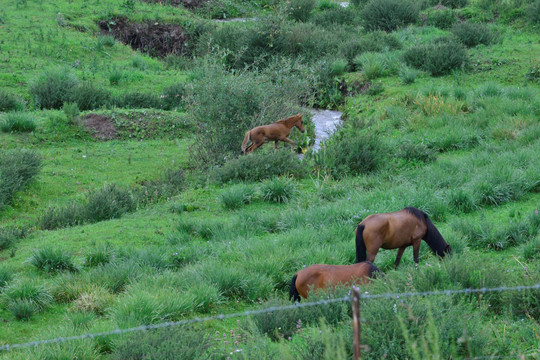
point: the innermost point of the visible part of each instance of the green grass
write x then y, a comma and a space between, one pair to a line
463, 147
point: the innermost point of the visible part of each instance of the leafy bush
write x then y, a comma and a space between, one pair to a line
52, 260
411, 152
236, 196
71, 110
407, 75
138, 100
67, 215
111, 202
454, 4
9, 236
172, 97
377, 65
534, 12
438, 58
280, 190
53, 87
28, 290
10, 102
192, 343
23, 309
389, 15
335, 16
100, 255
17, 169
442, 19
300, 10
350, 154
18, 122
6, 275
471, 34
534, 72
258, 166
89, 97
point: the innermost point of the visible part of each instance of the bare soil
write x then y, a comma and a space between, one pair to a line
101, 127
153, 38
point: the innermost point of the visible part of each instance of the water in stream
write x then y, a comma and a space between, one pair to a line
326, 122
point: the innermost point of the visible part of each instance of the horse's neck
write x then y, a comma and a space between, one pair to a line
287, 122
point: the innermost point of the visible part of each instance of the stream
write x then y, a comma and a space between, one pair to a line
326, 122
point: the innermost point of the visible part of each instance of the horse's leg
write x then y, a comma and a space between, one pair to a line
286, 139
371, 254
399, 254
255, 145
416, 249
276, 146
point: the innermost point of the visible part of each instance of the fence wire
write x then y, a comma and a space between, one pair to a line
365, 295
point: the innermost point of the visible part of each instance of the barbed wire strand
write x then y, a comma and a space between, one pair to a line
262, 311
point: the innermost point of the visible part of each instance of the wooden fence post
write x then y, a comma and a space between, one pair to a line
356, 322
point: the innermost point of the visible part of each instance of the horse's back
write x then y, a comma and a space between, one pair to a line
391, 230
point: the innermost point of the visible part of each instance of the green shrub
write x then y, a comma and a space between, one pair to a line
71, 110
56, 217
170, 183
530, 250
300, 10
10, 102
236, 196
115, 76
114, 276
471, 34
442, 19
259, 165
412, 152
280, 190
377, 65
17, 122
389, 15
534, 12
28, 290
407, 75
53, 87
138, 100
100, 255
110, 202
534, 72
438, 58
191, 342
335, 16
6, 275
172, 97
89, 97
52, 260
462, 201
454, 4
350, 154
17, 169
9, 236
23, 309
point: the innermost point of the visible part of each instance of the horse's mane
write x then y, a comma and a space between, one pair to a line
287, 119
416, 212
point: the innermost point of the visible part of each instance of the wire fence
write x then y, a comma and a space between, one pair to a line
365, 296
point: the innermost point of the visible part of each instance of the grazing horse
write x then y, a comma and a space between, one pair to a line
320, 276
398, 229
278, 131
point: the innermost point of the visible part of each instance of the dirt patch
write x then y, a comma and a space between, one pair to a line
190, 4
101, 127
152, 38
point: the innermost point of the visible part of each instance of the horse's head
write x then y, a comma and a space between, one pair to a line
299, 123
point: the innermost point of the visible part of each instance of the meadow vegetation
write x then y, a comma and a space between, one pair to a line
124, 200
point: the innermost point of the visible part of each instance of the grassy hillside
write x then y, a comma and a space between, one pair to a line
123, 200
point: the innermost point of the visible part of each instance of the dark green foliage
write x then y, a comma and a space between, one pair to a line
471, 34
10, 102
23, 309
442, 19
138, 100
108, 203
534, 12
534, 72
283, 324
335, 16
52, 260
9, 236
17, 122
412, 152
6, 275
279, 190
462, 201
28, 290
260, 165
454, 4
377, 41
351, 154
438, 58
72, 112
53, 87
56, 217
170, 183
300, 10
17, 169
236, 196
389, 15
172, 97
89, 96
100, 255
169, 343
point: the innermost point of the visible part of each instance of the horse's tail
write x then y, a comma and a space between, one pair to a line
246, 139
434, 239
361, 254
293, 292
374, 271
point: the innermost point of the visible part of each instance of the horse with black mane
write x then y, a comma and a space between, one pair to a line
278, 131
398, 230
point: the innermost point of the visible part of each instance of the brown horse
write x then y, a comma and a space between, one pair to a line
278, 131
398, 230
320, 276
